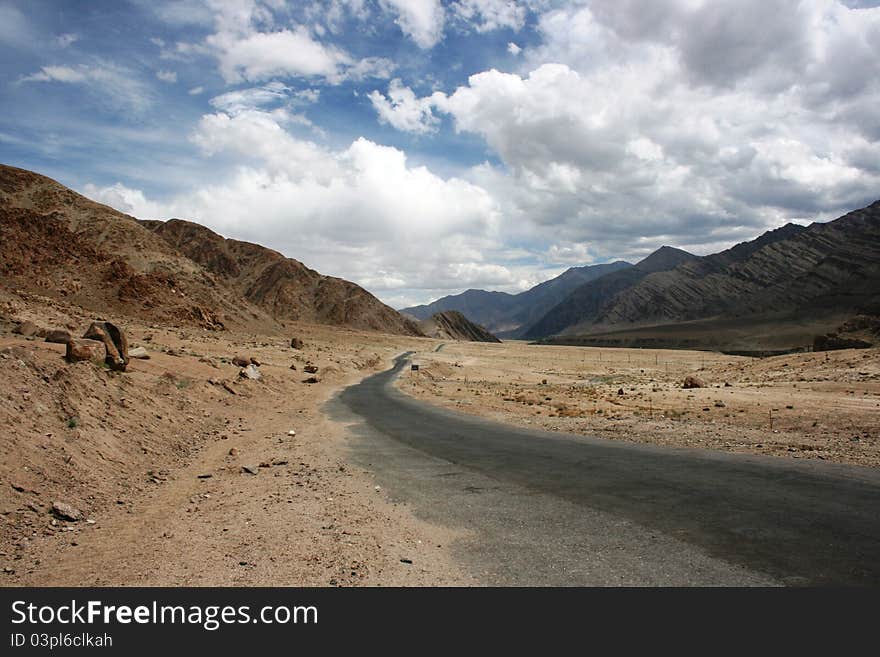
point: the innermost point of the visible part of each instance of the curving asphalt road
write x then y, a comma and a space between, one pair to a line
548, 508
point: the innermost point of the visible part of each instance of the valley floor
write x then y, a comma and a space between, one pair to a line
823, 405
188, 474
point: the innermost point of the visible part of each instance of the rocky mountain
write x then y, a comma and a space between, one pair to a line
283, 287
57, 243
508, 314
587, 301
452, 325
818, 275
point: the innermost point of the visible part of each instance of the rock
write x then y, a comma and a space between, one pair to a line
833, 341
254, 361
291, 433
114, 341
251, 372
138, 352
250, 469
64, 511
692, 382
241, 361
58, 336
620, 391
312, 379
207, 475
293, 367
720, 404
310, 369
26, 328
233, 451
296, 343
79, 350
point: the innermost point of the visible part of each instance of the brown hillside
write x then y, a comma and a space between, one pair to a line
57, 243
283, 287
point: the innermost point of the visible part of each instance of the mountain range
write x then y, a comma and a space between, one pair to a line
778, 290
507, 314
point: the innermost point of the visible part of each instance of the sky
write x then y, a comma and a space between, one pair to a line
421, 148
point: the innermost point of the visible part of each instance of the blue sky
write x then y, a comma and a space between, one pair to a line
421, 148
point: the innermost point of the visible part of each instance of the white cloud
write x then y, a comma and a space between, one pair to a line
626, 142
403, 110
421, 20
488, 15
513, 49
362, 212
167, 76
110, 85
195, 91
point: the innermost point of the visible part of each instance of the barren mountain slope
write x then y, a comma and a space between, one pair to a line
283, 287
59, 244
830, 268
452, 325
509, 314
585, 303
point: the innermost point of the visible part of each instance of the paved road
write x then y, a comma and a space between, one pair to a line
548, 508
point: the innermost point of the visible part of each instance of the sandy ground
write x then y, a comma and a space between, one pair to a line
821, 405
154, 458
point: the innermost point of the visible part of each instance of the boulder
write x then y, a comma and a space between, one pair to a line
251, 372
241, 361
26, 328
114, 341
81, 349
296, 343
58, 336
311, 369
312, 379
692, 382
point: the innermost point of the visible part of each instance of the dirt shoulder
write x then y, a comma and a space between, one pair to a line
822, 405
187, 474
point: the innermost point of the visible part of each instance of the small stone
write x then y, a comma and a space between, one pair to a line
139, 352
233, 451
65, 511
312, 379
310, 369
692, 382
296, 343
291, 433
58, 336
251, 372
26, 328
241, 361
250, 469
205, 476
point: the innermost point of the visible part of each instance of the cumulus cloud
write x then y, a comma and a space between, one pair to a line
633, 138
421, 20
167, 76
403, 110
362, 212
488, 15
513, 49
